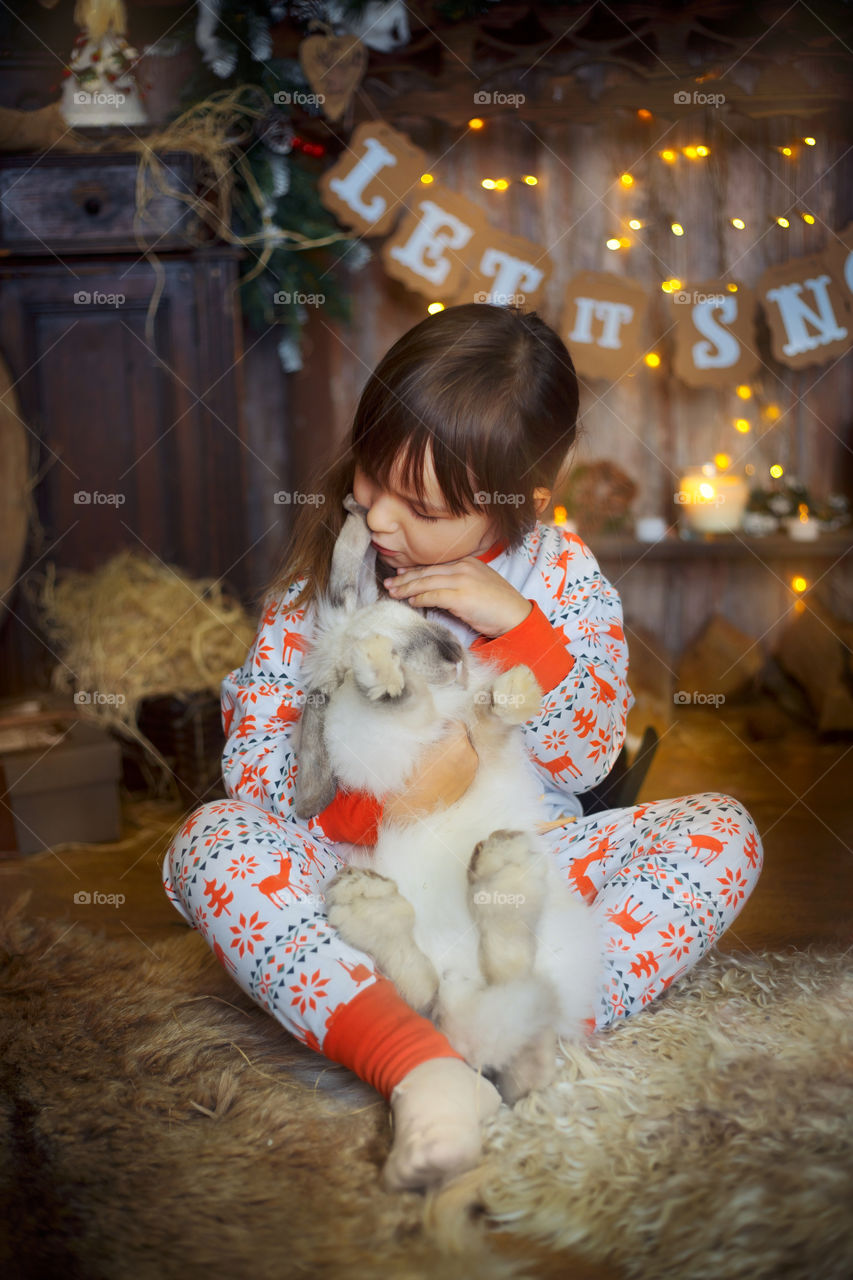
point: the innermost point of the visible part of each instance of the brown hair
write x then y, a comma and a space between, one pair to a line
491, 391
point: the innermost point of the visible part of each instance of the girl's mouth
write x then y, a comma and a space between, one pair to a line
383, 551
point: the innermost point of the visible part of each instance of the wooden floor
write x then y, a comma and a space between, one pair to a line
799, 791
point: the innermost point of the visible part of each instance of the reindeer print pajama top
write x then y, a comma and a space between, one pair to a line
665, 878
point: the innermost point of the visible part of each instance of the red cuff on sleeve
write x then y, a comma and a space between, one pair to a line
534, 642
353, 816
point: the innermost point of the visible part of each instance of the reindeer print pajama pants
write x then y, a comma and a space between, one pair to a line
665, 879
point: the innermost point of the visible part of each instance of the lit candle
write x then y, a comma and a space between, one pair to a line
711, 501
801, 528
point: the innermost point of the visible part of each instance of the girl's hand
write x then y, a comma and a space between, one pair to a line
467, 588
443, 776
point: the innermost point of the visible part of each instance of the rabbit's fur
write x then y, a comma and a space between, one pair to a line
462, 908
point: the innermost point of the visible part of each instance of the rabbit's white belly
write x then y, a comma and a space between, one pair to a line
428, 860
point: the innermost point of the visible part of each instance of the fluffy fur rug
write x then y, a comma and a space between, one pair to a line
155, 1123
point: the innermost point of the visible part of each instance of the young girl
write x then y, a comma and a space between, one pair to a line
457, 443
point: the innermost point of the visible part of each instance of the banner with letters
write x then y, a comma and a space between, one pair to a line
442, 245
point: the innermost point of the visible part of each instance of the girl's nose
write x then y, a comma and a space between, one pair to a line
381, 516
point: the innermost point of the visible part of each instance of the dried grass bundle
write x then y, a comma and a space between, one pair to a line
136, 628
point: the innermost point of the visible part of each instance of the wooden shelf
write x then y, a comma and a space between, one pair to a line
723, 546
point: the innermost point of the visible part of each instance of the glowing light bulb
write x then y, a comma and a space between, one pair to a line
786, 151
799, 584
809, 218
721, 461
810, 142
677, 229
488, 183
530, 180
743, 392
427, 178
501, 184
732, 287
690, 152
476, 123
743, 425
669, 156
738, 224
707, 491
652, 359
435, 307
783, 222
703, 151
772, 412
613, 243
643, 113
776, 471
671, 286
626, 179
635, 224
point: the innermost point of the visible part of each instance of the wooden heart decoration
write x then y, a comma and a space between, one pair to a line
333, 66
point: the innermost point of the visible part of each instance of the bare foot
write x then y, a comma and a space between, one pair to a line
438, 1108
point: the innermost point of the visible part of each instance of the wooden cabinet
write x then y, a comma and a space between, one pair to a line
128, 374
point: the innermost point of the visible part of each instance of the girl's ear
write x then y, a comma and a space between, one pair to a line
541, 498
315, 784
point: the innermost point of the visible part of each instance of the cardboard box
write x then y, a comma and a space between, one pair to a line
63, 789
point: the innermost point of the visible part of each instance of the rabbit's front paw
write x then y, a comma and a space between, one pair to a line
378, 669
516, 696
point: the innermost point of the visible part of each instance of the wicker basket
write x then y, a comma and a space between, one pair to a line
188, 734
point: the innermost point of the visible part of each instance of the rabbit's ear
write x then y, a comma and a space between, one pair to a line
353, 578
315, 784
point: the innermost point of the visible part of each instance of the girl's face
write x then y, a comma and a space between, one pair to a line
407, 533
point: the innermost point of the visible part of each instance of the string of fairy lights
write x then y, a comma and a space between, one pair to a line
747, 406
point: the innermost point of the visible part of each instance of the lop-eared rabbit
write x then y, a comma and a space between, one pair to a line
462, 907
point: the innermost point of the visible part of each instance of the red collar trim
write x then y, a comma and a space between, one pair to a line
494, 550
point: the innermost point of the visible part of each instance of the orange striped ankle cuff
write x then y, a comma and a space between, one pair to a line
381, 1038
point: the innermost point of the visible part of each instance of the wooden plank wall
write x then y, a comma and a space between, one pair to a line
649, 422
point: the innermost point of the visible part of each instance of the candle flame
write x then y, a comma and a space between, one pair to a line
804, 513
560, 515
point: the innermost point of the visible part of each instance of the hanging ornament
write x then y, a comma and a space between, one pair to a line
334, 67
219, 56
280, 175
275, 131
289, 355
380, 25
